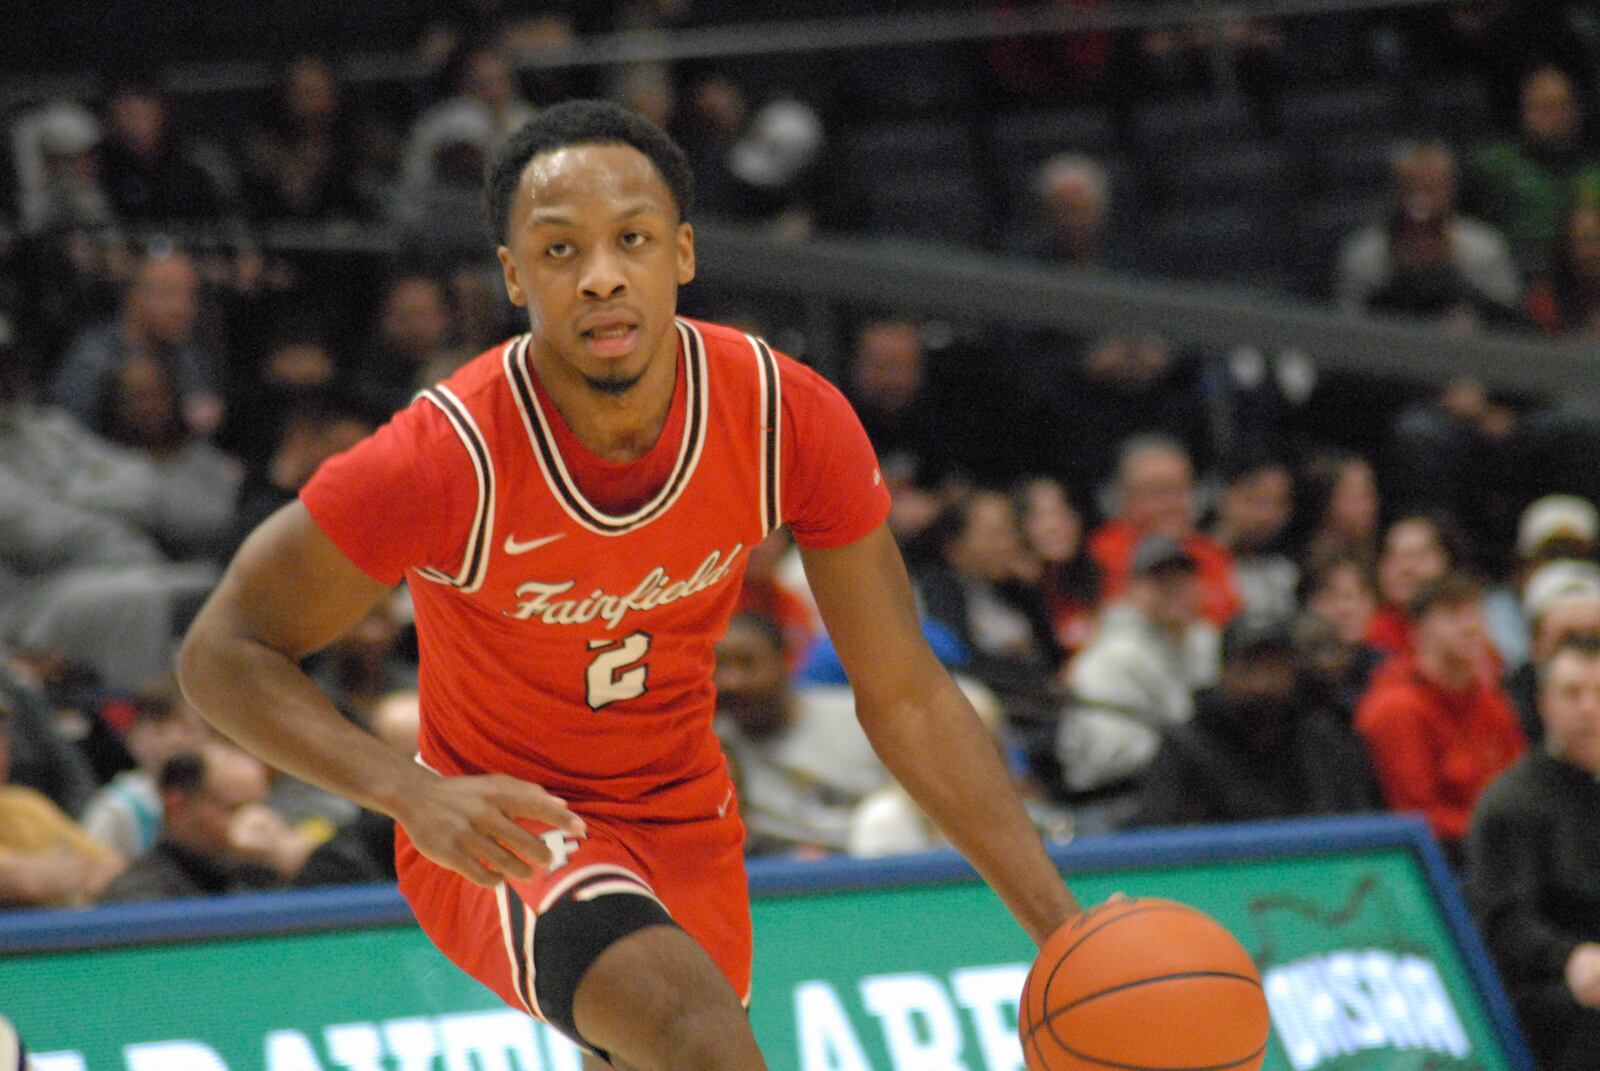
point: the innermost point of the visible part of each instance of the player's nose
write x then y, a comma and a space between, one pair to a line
603, 277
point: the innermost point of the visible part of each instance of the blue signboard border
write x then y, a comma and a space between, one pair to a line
253, 915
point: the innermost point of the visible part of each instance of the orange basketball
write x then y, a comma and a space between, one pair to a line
1143, 983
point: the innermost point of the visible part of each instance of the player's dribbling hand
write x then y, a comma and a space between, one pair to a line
468, 824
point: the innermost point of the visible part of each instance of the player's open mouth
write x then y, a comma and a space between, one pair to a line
611, 340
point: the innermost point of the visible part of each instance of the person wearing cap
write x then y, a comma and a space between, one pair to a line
1437, 729
1155, 493
1134, 681
1257, 748
1533, 865
1552, 528
1560, 600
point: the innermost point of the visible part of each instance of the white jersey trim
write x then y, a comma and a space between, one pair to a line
475, 559
519, 372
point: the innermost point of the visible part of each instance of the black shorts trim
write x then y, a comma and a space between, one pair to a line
586, 920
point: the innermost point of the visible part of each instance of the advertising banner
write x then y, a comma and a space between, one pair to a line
904, 965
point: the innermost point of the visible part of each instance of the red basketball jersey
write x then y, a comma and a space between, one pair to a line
563, 644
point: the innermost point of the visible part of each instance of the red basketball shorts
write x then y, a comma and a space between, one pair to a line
694, 869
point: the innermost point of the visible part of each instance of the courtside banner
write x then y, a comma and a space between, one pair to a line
1367, 955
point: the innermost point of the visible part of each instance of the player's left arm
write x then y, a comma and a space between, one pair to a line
925, 730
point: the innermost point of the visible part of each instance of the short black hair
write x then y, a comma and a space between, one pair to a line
183, 772
768, 629
582, 122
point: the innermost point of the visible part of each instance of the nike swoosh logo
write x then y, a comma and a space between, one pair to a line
513, 547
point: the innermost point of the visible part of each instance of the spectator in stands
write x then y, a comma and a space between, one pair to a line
1568, 301
1426, 259
142, 412
891, 392
1338, 508
57, 170
1561, 601
1524, 185
1459, 453
1057, 561
365, 665
800, 758
1416, 549
1072, 194
40, 755
152, 173
46, 859
218, 835
318, 426
312, 159
80, 572
1155, 493
1253, 514
1533, 866
1134, 681
1552, 528
969, 559
436, 206
413, 327
295, 366
126, 813
363, 849
159, 310
1334, 673
1437, 729
1342, 590
756, 161
1255, 748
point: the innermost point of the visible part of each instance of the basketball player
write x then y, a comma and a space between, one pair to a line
572, 511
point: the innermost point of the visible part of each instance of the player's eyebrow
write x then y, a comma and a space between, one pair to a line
556, 217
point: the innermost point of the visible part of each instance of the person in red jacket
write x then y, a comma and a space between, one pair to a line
1155, 493
1438, 729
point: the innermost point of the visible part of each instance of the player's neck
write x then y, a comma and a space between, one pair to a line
615, 427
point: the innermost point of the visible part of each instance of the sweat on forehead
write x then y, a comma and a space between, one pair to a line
573, 172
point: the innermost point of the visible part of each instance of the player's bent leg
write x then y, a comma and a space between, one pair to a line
655, 1001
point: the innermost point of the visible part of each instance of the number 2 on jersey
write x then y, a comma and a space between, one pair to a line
613, 674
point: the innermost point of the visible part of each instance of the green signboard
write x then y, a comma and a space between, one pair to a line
911, 967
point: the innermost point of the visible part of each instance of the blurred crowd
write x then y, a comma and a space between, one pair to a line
1179, 586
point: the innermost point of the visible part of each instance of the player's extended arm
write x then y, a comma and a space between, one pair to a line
289, 592
926, 732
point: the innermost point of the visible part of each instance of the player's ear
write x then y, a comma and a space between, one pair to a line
685, 242
508, 268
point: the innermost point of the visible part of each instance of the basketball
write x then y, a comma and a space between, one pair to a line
1143, 983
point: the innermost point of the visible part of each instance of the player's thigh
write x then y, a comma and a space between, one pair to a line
697, 869
655, 998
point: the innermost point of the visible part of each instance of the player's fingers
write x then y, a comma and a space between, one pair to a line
529, 849
468, 867
524, 800
496, 858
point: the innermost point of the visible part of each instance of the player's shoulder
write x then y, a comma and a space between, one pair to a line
801, 386
483, 374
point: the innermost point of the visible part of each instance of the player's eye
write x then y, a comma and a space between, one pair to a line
634, 239
558, 250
